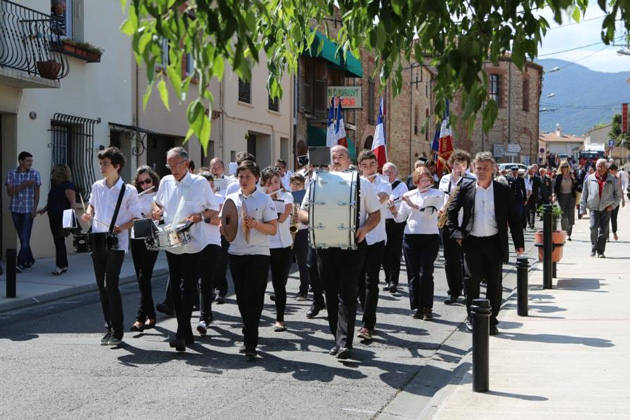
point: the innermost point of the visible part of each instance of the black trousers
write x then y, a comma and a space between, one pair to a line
339, 270
532, 206
393, 250
143, 262
453, 264
314, 279
368, 283
613, 218
56, 228
220, 278
300, 250
484, 261
249, 273
208, 262
280, 262
107, 265
421, 251
184, 274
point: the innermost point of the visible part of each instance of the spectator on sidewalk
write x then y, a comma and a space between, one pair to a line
23, 185
62, 196
612, 169
565, 191
545, 187
600, 195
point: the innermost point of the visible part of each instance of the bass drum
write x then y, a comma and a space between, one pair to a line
333, 208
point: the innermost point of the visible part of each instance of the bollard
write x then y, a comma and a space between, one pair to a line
547, 247
522, 267
554, 270
11, 255
480, 316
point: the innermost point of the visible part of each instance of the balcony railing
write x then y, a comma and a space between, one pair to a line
28, 42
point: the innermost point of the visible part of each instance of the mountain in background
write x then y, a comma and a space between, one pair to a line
583, 97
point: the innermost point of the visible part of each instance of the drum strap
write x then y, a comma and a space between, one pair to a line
117, 209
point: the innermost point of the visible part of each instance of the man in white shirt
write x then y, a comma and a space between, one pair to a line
488, 208
217, 168
285, 175
340, 268
394, 230
376, 240
111, 223
185, 199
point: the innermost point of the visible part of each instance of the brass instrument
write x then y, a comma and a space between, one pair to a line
293, 228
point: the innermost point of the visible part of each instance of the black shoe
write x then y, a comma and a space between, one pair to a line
178, 343
272, 297
313, 311
106, 338
116, 339
469, 326
593, 254
165, 309
333, 351
387, 287
451, 300
344, 353
250, 354
494, 330
393, 288
137, 327
601, 255
220, 300
242, 349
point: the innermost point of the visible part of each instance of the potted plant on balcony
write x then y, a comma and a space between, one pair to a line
558, 237
49, 69
82, 50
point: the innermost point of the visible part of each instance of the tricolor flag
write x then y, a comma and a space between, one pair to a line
378, 145
341, 128
331, 135
446, 143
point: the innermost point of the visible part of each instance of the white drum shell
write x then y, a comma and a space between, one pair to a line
333, 200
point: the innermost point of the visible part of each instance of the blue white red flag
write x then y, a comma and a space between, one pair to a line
379, 144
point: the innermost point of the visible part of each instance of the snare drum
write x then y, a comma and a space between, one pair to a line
333, 209
102, 241
172, 237
80, 243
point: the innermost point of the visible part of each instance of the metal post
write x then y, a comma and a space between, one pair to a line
554, 270
11, 255
522, 267
480, 314
547, 247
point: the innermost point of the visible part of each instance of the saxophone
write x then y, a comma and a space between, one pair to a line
293, 228
443, 218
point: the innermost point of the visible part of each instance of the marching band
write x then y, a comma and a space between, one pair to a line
340, 228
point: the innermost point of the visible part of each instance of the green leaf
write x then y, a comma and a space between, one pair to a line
175, 78
147, 96
163, 93
576, 15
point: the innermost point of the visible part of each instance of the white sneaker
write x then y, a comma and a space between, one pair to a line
202, 328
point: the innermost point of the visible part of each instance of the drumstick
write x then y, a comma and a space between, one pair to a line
146, 191
82, 202
98, 221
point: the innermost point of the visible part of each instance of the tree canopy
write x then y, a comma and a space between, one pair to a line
457, 36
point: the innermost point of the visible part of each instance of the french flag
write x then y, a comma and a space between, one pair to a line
445, 148
341, 127
379, 144
331, 133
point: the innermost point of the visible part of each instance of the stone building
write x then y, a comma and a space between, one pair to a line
518, 95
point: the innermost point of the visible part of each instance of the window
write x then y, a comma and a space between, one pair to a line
526, 95
73, 145
244, 91
61, 17
416, 119
284, 148
371, 102
495, 85
417, 81
274, 104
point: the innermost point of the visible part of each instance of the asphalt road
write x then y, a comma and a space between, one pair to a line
53, 366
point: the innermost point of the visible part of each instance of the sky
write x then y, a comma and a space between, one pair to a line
572, 35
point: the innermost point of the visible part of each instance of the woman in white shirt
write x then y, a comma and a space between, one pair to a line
280, 243
146, 182
249, 251
421, 241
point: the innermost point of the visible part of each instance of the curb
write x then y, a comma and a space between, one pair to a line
26, 302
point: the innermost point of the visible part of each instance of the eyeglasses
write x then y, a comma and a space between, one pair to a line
174, 165
148, 181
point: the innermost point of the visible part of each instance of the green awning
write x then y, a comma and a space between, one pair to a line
316, 137
329, 51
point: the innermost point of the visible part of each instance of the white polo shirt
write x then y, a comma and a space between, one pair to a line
181, 199
422, 221
260, 207
379, 234
282, 238
104, 200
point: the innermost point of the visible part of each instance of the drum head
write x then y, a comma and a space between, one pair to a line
229, 220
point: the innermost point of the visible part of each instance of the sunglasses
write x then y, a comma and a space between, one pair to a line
148, 181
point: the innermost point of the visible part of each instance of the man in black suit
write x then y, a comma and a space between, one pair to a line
519, 192
488, 207
533, 180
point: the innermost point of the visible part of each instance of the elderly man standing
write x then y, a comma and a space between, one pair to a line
601, 193
23, 185
395, 230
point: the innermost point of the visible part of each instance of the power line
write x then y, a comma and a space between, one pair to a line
577, 48
576, 23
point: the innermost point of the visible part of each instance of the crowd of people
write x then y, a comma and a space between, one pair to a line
252, 222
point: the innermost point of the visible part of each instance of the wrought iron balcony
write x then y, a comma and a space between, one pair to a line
29, 43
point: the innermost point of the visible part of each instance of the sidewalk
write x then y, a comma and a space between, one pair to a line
569, 358
36, 285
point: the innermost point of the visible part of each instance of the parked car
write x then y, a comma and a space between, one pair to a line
509, 166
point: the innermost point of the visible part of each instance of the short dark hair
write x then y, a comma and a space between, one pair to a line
243, 156
145, 169
24, 155
114, 155
207, 175
282, 162
366, 155
298, 178
460, 155
613, 167
248, 165
268, 173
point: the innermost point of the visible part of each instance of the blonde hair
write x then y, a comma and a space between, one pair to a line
419, 173
60, 173
563, 164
